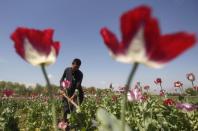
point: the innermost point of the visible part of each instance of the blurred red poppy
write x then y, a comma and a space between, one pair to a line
178, 84
142, 41
190, 76
169, 102
35, 46
158, 81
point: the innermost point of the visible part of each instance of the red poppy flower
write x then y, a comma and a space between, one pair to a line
8, 92
169, 102
142, 40
195, 88
178, 84
190, 77
146, 87
158, 81
162, 92
35, 46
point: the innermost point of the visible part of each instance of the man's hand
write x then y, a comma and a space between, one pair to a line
61, 92
72, 98
69, 99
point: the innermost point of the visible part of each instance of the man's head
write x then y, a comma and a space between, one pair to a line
76, 64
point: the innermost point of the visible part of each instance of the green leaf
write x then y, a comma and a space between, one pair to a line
109, 122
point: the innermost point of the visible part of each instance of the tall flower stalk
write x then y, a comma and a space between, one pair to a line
38, 48
191, 77
142, 42
158, 81
50, 95
179, 84
123, 106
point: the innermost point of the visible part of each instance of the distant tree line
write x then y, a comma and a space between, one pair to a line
24, 90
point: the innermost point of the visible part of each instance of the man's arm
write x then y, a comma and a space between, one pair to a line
63, 76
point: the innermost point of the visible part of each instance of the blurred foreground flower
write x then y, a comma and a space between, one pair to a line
109, 122
142, 42
35, 46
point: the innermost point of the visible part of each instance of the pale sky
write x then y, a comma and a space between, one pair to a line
77, 25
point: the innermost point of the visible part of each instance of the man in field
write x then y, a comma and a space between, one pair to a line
71, 81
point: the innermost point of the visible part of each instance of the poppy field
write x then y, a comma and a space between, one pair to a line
143, 112
112, 109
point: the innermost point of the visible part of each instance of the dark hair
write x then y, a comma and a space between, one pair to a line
77, 61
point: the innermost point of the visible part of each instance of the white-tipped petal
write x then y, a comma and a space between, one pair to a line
36, 58
136, 52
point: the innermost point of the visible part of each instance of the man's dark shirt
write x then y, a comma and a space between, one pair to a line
75, 78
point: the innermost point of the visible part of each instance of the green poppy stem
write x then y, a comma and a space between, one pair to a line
51, 96
161, 86
124, 102
192, 84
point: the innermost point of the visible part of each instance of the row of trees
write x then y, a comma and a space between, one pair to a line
24, 90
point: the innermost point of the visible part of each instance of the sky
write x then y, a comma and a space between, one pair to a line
77, 24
